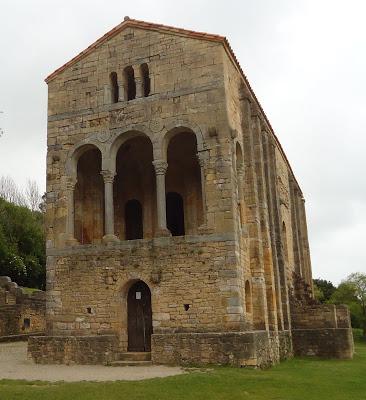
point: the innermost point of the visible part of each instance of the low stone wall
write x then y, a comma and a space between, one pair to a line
327, 343
10, 316
254, 349
100, 349
20, 313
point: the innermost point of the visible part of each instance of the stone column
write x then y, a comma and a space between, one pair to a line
121, 90
108, 178
70, 222
202, 160
139, 87
160, 171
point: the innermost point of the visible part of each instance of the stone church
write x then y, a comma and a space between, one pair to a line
176, 229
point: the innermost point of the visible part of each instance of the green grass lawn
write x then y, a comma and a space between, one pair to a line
296, 379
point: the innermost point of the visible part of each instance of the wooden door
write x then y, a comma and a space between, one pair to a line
139, 317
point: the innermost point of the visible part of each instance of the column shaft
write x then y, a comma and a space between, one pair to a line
108, 178
160, 170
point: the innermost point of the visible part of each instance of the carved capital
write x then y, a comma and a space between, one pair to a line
108, 176
160, 167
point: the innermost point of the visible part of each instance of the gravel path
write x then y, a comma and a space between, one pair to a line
15, 365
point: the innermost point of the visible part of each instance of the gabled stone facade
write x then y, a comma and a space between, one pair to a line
174, 222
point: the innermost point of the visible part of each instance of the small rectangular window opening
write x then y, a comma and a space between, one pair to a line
186, 307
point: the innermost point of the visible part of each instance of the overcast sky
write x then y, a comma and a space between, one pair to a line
305, 59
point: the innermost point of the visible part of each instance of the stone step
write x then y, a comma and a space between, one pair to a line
135, 356
131, 363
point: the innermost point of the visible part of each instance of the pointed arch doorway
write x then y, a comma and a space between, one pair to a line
139, 316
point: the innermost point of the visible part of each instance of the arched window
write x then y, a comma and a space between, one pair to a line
145, 79
133, 220
114, 87
175, 214
248, 298
238, 157
284, 242
184, 177
130, 84
89, 198
134, 190
239, 184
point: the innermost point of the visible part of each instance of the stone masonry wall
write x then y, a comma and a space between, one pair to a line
220, 295
20, 313
186, 90
251, 349
88, 288
100, 349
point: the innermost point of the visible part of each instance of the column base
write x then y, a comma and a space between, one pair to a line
110, 239
71, 241
163, 233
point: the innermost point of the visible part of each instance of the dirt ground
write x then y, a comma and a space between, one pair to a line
15, 365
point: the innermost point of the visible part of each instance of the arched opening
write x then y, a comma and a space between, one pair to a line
114, 87
239, 183
134, 190
139, 316
133, 220
130, 84
238, 157
145, 79
184, 177
284, 243
248, 298
175, 214
89, 198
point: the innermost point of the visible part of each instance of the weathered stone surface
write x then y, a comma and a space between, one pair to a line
20, 313
72, 349
327, 343
163, 168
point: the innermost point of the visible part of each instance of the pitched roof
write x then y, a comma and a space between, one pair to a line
128, 23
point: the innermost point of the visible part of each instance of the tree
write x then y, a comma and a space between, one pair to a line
323, 290
22, 245
33, 195
352, 291
10, 192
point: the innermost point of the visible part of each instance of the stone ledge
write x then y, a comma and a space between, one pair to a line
162, 242
99, 349
23, 337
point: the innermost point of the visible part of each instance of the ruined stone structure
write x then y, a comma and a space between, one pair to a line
20, 313
175, 224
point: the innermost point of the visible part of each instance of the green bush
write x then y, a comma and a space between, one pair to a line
22, 245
